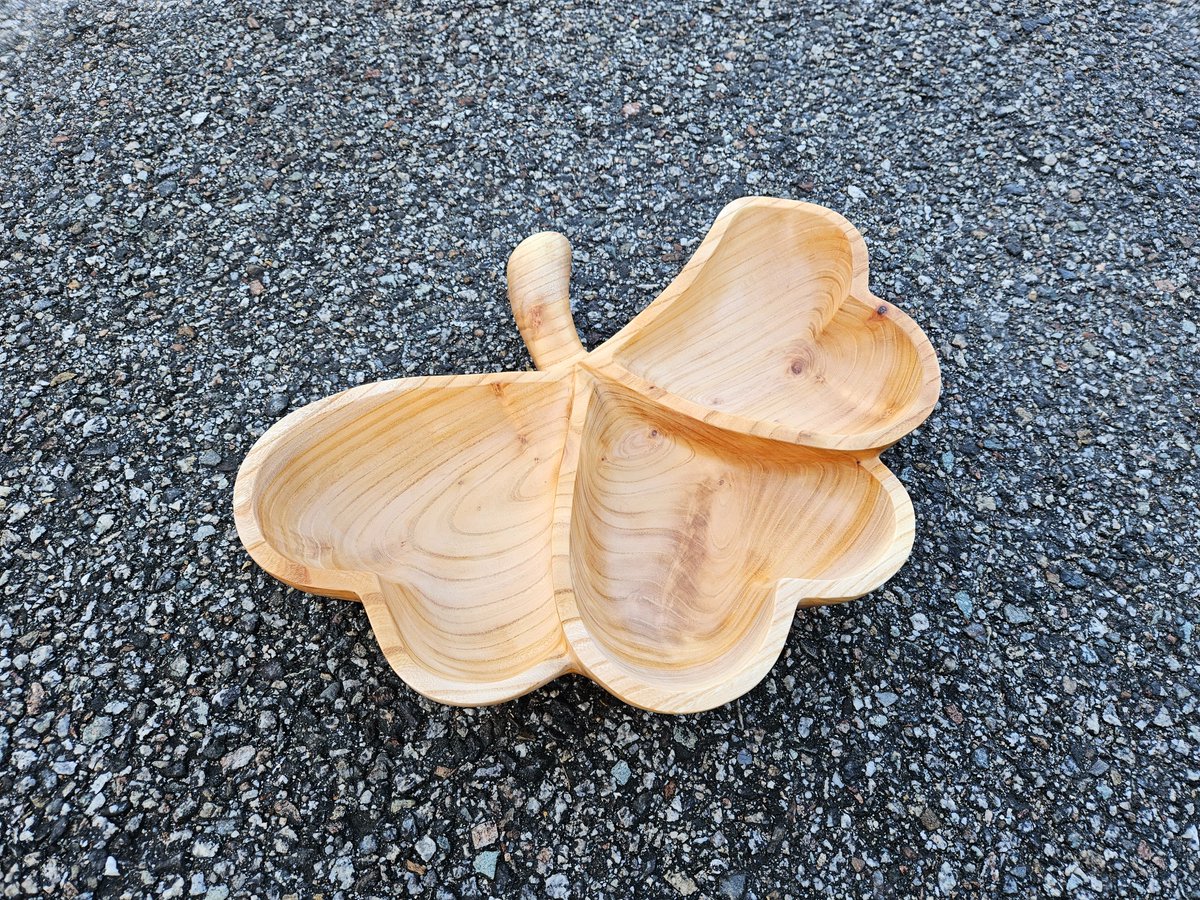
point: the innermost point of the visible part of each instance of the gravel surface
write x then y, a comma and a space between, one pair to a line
212, 213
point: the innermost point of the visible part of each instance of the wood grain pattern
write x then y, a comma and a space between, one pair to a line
649, 514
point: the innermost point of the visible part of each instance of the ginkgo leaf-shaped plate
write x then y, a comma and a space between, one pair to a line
649, 514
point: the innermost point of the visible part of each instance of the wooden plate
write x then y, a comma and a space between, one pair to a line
649, 514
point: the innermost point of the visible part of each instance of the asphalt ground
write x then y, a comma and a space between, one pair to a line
213, 213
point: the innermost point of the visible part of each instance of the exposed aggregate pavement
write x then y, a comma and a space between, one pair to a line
212, 213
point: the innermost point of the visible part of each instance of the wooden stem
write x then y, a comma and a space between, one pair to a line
539, 278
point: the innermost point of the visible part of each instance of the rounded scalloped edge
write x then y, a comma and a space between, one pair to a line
726, 682
605, 358
446, 690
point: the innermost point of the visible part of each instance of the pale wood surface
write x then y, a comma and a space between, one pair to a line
650, 514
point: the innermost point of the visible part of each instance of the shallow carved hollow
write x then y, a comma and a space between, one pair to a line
833, 364
681, 531
455, 524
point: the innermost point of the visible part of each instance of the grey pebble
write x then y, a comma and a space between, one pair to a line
278, 404
97, 730
95, 425
485, 863
1016, 615
733, 886
426, 848
238, 758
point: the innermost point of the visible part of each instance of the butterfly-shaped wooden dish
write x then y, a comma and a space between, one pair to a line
649, 514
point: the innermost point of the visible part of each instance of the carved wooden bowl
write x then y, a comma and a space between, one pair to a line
649, 514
